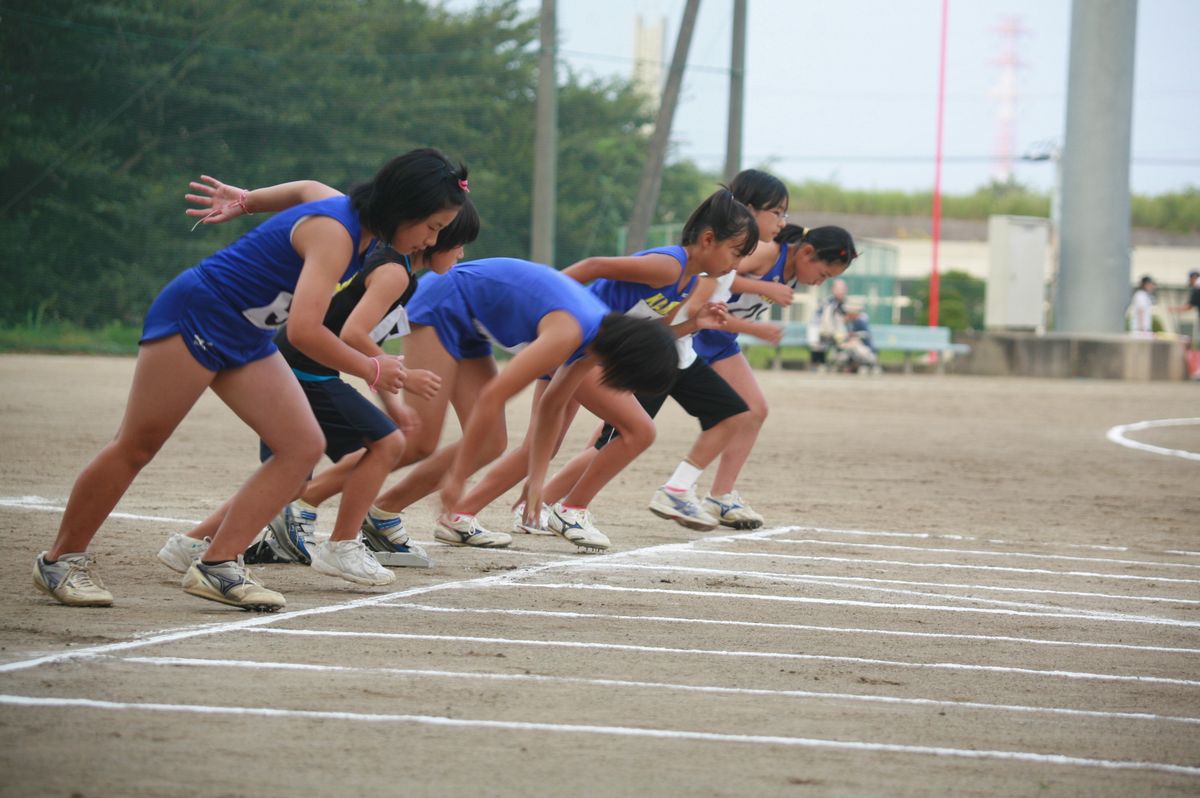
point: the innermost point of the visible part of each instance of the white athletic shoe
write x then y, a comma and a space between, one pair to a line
459, 529
72, 580
389, 542
575, 524
683, 508
350, 560
180, 551
537, 528
731, 511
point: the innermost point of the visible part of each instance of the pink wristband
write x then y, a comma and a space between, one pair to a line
241, 203
378, 370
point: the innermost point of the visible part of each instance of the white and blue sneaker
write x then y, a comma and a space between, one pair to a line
538, 527
387, 539
180, 551
291, 532
459, 529
575, 524
732, 512
682, 507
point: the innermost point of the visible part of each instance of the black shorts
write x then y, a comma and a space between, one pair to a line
349, 420
700, 391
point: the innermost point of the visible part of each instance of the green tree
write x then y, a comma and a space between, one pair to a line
961, 300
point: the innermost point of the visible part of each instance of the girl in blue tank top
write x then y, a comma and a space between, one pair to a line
551, 324
652, 284
212, 327
787, 256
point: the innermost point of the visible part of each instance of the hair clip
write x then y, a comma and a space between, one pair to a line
463, 185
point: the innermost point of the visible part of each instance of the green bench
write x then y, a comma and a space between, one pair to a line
906, 338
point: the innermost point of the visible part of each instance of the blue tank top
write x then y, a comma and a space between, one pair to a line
750, 306
257, 274
643, 301
506, 298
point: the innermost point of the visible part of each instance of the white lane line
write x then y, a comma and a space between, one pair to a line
947, 565
860, 583
1117, 436
710, 594
799, 627
616, 731
933, 536
173, 635
983, 552
670, 686
952, 666
47, 505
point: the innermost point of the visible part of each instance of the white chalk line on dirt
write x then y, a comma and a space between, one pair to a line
983, 552
698, 652
615, 731
1108, 618
947, 565
799, 627
173, 635
935, 536
667, 686
869, 584
1117, 436
42, 504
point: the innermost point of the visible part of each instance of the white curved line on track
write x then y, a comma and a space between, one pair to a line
1117, 436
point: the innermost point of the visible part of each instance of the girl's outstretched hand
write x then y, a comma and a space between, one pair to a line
423, 383
779, 293
218, 201
712, 316
390, 375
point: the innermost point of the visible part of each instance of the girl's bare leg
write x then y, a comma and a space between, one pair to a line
364, 482
737, 372
636, 430
424, 478
167, 381
266, 395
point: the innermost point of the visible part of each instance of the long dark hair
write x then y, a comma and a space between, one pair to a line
407, 188
759, 190
833, 244
726, 217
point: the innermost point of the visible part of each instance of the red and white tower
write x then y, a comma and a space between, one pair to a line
1004, 92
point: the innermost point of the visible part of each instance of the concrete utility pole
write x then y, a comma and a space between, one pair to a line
1093, 281
737, 92
545, 141
651, 181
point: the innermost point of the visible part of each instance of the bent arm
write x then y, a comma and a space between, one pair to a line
655, 270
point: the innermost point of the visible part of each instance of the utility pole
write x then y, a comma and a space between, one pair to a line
652, 169
1093, 278
737, 92
545, 141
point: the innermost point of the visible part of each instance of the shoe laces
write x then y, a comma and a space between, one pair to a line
79, 573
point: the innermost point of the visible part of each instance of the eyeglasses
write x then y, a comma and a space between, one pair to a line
781, 215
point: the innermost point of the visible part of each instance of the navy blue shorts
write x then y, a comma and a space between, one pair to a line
714, 345
700, 391
349, 420
216, 334
443, 308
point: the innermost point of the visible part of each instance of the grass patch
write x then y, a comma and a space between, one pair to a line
66, 338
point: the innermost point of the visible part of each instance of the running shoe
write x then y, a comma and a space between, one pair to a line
72, 580
458, 529
387, 539
575, 524
290, 530
731, 511
537, 528
683, 508
350, 560
180, 551
230, 583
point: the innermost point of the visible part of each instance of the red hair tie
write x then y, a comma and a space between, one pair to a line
463, 185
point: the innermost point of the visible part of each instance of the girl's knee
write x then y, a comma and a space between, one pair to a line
640, 435
496, 444
390, 448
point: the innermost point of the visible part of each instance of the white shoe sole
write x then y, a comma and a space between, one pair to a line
415, 557
690, 523
321, 568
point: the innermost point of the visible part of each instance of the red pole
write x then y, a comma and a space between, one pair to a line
937, 173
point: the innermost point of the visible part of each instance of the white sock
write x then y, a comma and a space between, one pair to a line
684, 478
382, 515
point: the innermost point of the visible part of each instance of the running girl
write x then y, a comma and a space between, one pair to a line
212, 327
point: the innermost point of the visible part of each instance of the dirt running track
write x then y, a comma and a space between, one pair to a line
964, 588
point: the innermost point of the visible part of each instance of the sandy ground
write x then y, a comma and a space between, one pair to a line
963, 588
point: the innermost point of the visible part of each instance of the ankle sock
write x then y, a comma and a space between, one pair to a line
684, 478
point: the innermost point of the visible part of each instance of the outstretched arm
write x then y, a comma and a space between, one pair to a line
654, 270
220, 202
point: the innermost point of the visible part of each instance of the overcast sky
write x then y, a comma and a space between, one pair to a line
846, 89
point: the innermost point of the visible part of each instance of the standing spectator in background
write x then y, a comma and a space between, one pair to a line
863, 356
1193, 303
1141, 308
